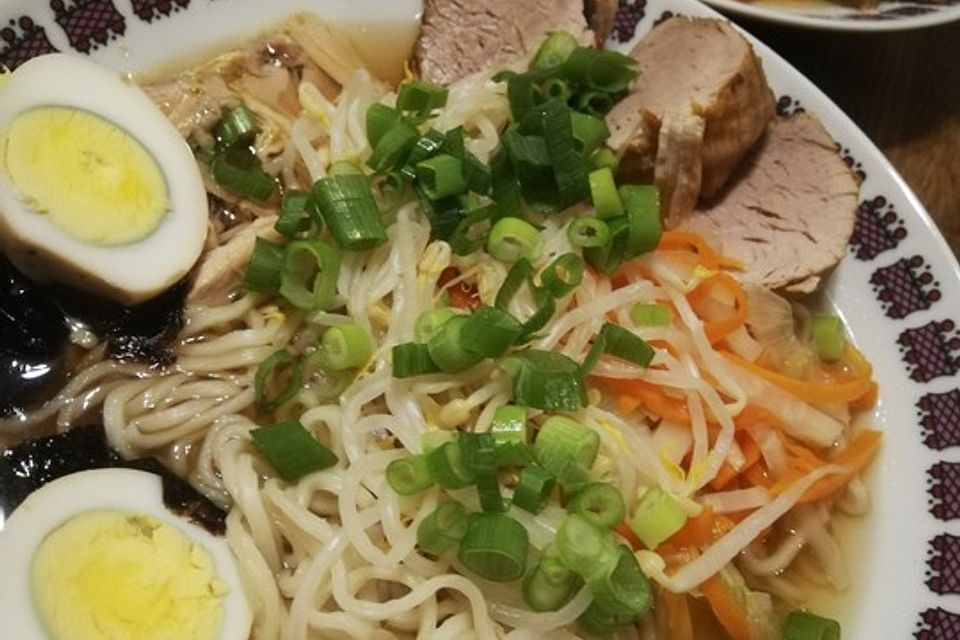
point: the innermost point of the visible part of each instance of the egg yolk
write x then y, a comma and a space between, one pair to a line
105, 574
93, 179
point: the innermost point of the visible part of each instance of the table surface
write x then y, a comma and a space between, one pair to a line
903, 89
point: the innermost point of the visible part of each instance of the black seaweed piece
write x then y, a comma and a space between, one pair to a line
34, 332
33, 337
141, 332
28, 466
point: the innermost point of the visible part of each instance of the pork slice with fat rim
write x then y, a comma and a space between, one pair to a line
790, 209
462, 37
705, 67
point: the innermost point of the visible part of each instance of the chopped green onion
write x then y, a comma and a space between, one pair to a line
412, 359
421, 98
533, 489
621, 343
546, 380
556, 88
595, 103
546, 307
296, 214
266, 371
309, 277
393, 147
379, 120
480, 454
603, 191
550, 584
561, 437
434, 439
346, 346
554, 51
509, 424
429, 321
443, 529
519, 273
642, 203
350, 211
588, 232
589, 131
608, 258
448, 467
426, 147
409, 475
471, 232
446, 347
504, 184
600, 503
585, 548
444, 214
600, 69
623, 589
238, 170
263, 271
828, 337
650, 315
489, 332
344, 168
494, 547
563, 275
514, 454
291, 450
520, 94
601, 623
531, 161
239, 125
453, 142
569, 166
802, 625
441, 176
658, 516
476, 173
323, 381
604, 157
512, 238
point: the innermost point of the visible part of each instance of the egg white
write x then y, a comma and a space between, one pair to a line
125, 490
131, 272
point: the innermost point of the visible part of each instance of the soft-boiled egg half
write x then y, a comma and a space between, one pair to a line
98, 190
96, 555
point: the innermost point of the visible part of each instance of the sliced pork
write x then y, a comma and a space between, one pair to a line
461, 37
789, 211
692, 68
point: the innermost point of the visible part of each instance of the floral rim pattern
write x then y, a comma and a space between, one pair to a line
901, 284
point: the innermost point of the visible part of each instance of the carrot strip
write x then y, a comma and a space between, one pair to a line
673, 240
726, 475
652, 397
463, 295
753, 414
696, 532
857, 455
807, 391
867, 400
673, 615
719, 329
730, 611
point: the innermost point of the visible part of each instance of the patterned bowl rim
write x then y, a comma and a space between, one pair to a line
891, 15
